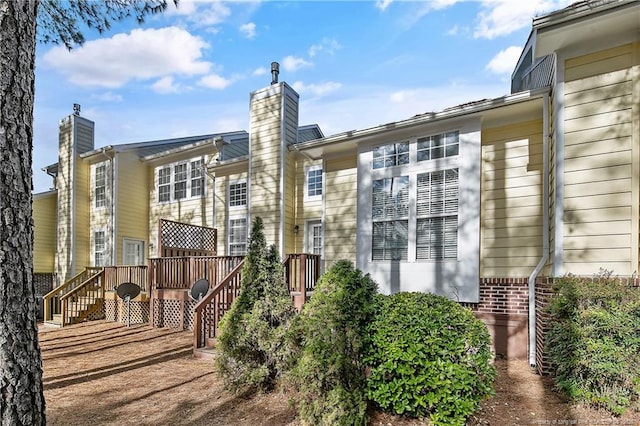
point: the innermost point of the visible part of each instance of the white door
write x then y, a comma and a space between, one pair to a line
314, 237
133, 252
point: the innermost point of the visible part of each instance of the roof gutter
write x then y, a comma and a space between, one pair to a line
427, 118
545, 230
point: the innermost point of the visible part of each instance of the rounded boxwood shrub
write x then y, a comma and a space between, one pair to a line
429, 356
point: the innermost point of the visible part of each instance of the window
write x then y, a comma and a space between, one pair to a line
390, 216
99, 245
180, 181
438, 146
237, 237
164, 184
417, 201
238, 194
100, 186
313, 182
437, 215
391, 155
197, 178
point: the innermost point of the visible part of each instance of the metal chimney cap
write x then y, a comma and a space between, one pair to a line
275, 70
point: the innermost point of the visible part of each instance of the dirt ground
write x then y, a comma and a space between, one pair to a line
103, 373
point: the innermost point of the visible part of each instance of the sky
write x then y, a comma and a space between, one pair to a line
355, 64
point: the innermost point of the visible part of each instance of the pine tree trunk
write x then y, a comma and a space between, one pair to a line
21, 390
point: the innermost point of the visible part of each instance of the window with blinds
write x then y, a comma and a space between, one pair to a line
390, 216
437, 215
237, 237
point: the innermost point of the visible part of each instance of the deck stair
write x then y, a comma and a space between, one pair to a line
76, 300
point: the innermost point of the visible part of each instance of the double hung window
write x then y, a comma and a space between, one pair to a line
100, 186
180, 181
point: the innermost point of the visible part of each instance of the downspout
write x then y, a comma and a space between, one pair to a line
545, 230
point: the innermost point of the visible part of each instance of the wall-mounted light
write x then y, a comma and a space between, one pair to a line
296, 228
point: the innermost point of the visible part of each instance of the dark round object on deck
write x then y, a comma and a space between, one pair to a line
199, 289
130, 290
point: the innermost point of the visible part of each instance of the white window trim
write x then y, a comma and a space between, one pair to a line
246, 197
246, 224
455, 278
105, 251
94, 181
172, 181
307, 170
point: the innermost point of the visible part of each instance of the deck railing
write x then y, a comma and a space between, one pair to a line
116, 275
210, 309
83, 300
301, 274
182, 272
51, 300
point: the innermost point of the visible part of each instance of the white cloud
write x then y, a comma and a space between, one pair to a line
215, 81
184, 7
505, 61
259, 71
108, 97
328, 45
210, 13
166, 85
291, 63
316, 89
249, 30
383, 4
502, 17
139, 55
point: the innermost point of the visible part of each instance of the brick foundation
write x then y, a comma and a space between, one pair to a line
504, 308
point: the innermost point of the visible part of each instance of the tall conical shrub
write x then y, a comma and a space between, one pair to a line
251, 345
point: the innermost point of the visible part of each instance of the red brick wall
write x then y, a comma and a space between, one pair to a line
504, 308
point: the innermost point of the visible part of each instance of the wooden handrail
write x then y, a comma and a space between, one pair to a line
301, 274
65, 298
69, 285
199, 339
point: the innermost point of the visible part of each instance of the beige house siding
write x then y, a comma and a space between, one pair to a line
82, 194
72, 248
511, 201
305, 209
601, 163
222, 212
44, 231
340, 209
65, 187
194, 211
266, 161
133, 202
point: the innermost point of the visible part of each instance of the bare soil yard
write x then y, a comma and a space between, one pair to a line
101, 373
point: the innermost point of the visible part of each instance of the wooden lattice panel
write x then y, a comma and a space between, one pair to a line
182, 239
98, 314
188, 314
111, 310
166, 313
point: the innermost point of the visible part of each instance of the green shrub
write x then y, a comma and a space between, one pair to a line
594, 341
251, 344
331, 334
429, 357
